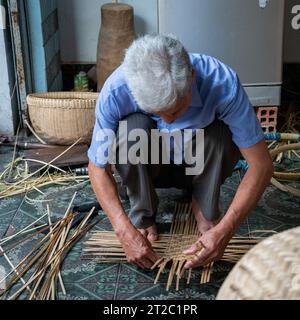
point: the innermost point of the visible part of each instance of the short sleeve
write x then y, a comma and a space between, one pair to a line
101, 150
240, 116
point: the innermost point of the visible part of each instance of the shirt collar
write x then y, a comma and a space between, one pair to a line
196, 98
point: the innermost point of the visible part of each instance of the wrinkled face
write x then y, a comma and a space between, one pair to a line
175, 112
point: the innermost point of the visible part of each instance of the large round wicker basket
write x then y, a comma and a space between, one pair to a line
63, 117
269, 271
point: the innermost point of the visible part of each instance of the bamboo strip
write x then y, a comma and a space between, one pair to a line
48, 287
178, 273
26, 231
35, 257
34, 133
286, 176
210, 271
161, 269
45, 249
45, 163
28, 255
283, 148
67, 246
14, 152
59, 273
105, 247
36, 284
189, 276
45, 166
43, 183
13, 267
171, 274
19, 232
21, 273
28, 237
47, 256
285, 188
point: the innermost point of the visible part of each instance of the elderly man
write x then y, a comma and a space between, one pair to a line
160, 86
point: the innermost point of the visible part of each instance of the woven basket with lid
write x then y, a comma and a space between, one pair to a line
63, 117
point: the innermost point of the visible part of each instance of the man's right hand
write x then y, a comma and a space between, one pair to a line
137, 248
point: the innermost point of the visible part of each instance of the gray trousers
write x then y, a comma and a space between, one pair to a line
220, 158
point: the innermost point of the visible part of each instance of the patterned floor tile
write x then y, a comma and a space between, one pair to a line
88, 291
193, 292
128, 291
106, 274
129, 275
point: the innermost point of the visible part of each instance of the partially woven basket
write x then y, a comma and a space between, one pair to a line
63, 117
269, 271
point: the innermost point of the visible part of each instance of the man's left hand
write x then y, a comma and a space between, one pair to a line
208, 248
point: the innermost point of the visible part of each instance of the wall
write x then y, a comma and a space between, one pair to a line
292, 37
8, 103
42, 22
79, 24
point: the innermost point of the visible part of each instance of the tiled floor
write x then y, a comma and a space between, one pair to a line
85, 279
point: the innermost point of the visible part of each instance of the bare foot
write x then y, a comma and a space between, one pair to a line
150, 233
202, 223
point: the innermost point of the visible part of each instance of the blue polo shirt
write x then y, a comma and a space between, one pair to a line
216, 94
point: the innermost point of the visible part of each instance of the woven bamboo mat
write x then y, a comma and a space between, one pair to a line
104, 247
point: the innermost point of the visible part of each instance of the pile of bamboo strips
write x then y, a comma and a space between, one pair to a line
282, 175
16, 179
43, 262
104, 247
285, 142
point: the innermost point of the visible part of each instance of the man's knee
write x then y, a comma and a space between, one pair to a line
218, 139
217, 133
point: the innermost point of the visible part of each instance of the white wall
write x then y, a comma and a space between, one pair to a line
79, 23
292, 37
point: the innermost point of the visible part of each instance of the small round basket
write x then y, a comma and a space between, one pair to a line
63, 117
269, 271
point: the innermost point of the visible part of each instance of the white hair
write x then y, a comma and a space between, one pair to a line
158, 71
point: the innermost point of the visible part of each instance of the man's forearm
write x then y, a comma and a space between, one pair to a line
137, 248
106, 192
215, 240
248, 194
